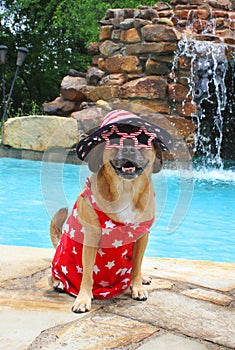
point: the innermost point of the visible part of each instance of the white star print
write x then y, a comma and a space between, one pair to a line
104, 284
117, 243
125, 252
110, 264
74, 251
64, 269
124, 286
109, 224
72, 231
105, 231
79, 269
104, 294
135, 226
126, 280
75, 212
121, 271
100, 251
130, 234
96, 269
66, 228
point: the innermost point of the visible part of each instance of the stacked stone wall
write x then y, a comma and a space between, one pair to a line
133, 61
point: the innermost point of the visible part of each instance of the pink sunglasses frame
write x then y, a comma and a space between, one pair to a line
124, 135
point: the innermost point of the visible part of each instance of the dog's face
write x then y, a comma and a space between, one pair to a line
127, 162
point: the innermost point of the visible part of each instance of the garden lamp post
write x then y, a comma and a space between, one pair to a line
3, 52
21, 55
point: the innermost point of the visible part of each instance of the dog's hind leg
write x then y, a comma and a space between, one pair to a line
55, 234
56, 284
146, 280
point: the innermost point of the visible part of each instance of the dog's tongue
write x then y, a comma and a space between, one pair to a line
128, 169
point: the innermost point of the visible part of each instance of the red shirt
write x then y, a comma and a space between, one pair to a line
113, 264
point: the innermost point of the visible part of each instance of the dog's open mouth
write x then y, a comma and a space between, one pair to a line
127, 169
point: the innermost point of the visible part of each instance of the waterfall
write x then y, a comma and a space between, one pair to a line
207, 84
211, 86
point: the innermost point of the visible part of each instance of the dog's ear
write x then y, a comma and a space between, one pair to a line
95, 158
157, 165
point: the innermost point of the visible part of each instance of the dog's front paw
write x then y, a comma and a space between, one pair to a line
82, 303
138, 292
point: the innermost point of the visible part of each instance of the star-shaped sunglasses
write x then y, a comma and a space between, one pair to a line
119, 133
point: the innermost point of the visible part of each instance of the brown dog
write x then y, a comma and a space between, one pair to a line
101, 250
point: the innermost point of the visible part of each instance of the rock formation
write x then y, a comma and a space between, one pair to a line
137, 66
133, 63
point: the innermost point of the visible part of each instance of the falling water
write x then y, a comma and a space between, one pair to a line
207, 86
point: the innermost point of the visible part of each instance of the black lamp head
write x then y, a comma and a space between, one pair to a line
21, 54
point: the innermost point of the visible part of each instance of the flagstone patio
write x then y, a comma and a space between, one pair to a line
191, 306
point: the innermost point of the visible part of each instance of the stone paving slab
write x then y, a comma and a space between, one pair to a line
20, 327
97, 331
214, 275
215, 297
22, 261
185, 309
175, 312
165, 341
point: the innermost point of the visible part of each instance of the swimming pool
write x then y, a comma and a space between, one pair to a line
199, 215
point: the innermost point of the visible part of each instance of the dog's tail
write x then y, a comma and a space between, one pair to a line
57, 224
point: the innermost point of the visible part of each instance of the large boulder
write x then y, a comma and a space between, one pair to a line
40, 133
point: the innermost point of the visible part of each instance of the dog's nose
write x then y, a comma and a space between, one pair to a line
128, 150
128, 146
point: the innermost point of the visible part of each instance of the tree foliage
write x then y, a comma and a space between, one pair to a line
57, 34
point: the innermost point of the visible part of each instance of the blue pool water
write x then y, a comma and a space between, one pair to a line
194, 219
